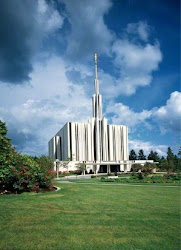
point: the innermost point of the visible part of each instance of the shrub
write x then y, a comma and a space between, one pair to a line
148, 167
136, 167
102, 178
22, 173
93, 176
173, 177
45, 162
140, 176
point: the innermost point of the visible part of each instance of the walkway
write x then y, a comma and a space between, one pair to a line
87, 176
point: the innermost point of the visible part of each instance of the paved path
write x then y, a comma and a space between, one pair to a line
87, 176
119, 184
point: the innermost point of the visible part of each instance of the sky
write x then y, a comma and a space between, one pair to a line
47, 69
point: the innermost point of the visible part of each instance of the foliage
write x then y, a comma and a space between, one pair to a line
82, 167
172, 163
179, 152
136, 167
140, 176
132, 155
153, 156
147, 178
44, 162
141, 155
148, 167
170, 155
22, 172
64, 164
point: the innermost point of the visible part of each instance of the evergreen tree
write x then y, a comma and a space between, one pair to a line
170, 155
132, 155
179, 152
164, 164
5, 145
154, 156
3, 129
141, 155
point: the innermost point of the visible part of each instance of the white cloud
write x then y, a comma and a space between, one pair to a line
89, 32
169, 116
147, 147
43, 107
135, 63
126, 116
36, 111
42, 6
141, 29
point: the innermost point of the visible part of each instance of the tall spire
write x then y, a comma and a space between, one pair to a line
96, 80
96, 98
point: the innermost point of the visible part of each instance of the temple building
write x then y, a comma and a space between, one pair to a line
102, 147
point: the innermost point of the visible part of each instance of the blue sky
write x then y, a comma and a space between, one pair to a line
47, 69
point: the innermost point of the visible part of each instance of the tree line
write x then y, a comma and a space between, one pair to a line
171, 162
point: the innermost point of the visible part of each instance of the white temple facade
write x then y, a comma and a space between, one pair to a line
102, 147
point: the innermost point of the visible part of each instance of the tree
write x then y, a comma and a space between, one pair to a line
164, 165
170, 155
179, 152
141, 155
6, 149
63, 164
153, 156
82, 167
132, 155
136, 167
3, 129
66, 164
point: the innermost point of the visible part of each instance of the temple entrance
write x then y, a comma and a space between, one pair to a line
115, 168
103, 169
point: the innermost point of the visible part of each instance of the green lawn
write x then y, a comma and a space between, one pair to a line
92, 217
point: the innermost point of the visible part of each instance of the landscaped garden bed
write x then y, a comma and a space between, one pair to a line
145, 178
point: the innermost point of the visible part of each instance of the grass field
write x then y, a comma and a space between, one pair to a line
92, 217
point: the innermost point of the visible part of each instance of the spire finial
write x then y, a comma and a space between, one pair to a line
95, 57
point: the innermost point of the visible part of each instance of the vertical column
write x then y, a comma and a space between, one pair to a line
108, 169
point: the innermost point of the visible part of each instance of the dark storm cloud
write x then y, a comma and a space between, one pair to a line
17, 34
19, 139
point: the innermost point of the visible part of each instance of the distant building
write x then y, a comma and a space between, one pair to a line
102, 147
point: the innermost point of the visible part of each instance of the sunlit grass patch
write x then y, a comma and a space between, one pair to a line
92, 217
